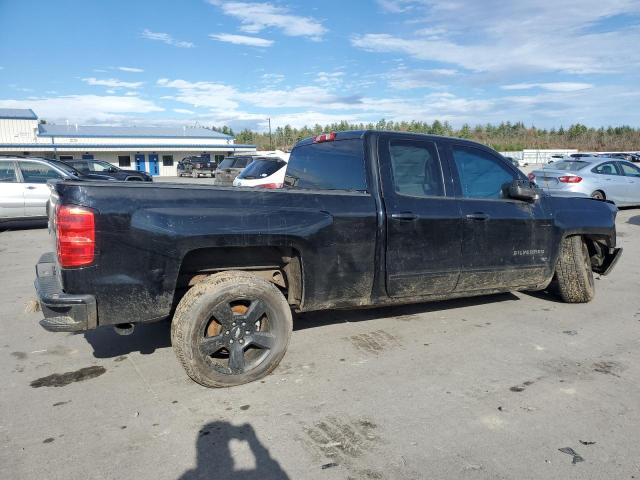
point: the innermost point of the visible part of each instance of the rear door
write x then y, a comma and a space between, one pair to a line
632, 176
505, 242
424, 229
36, 191
11, 191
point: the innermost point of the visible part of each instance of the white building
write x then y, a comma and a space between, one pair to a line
155, 150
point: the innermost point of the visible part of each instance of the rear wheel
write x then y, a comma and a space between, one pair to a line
598, 195
230, 329
573, 278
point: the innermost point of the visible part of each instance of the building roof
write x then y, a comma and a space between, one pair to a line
17, 114
47, 130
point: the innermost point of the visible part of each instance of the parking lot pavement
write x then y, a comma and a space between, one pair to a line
481, 388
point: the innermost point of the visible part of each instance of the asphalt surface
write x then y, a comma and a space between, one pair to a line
486, 388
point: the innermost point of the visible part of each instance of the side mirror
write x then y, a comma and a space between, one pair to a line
520, 190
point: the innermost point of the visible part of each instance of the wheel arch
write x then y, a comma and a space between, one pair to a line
281, 266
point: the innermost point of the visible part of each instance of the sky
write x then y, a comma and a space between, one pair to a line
237, 63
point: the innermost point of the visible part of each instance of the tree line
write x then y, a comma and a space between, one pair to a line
506, 136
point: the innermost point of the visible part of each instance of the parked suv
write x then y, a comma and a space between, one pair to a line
23, 186
230, 168
195, 166
105, 168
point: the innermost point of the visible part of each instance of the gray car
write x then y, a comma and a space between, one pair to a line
597, 177
230, 168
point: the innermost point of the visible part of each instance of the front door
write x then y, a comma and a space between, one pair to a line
424, 228
154, 169
506, 242
140, 162
632, 177
11, 191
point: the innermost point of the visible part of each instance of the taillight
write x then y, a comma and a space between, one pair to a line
570, 179
532, 177
270, 185
76, 236
325, 137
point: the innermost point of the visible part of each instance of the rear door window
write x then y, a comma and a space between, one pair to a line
241, 162
34, 172
337, 165
416, 168
7, 173
226, 163
608, 168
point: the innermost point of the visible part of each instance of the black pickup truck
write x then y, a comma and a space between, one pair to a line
365, 218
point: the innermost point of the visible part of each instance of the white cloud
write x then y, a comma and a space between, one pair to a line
241, 40
183, 111
407, 79
165, 38
131, 69
562, 36
550, 86
256, 17
85, 108
112, 83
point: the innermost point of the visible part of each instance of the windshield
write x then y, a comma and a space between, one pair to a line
568, 165
262, 167
66, 168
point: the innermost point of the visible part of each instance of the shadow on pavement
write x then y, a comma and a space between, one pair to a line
22, 225
145, 339
327, 317
634, 220
218, 459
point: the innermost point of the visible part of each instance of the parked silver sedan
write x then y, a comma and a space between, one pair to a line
598, 177
23, 186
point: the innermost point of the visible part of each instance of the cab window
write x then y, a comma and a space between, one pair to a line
416, 168
481, 174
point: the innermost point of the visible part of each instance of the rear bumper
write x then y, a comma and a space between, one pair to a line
62, 312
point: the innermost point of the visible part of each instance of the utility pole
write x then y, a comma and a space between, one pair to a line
270, 138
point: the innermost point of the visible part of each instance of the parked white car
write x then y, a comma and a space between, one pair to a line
265, 172
23, 186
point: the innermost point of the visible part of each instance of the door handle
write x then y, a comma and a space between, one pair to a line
30, 187
405, 216
478, 216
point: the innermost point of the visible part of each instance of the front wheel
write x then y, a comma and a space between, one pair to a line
230, 329
573, 279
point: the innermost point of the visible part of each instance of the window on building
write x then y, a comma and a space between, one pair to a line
66, 157
124, 160
167, 160
337, 165
481, 174
416, 168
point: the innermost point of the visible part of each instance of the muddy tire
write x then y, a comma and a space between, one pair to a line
230, 329
573, 279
